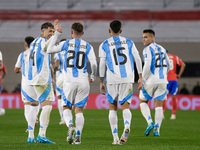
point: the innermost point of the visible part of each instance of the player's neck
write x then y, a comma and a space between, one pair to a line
114, 34
77, 37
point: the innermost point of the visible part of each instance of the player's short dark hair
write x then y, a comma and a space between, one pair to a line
77, 27
149, 31
115, 26
46, 25
28, 40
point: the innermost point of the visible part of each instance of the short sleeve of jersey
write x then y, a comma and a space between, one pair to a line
18, 63
179, 61
102, 53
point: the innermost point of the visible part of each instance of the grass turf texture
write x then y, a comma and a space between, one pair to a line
182, 133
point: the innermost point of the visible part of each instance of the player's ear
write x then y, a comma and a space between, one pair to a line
109, 30
25, 44
120, 31
82, 33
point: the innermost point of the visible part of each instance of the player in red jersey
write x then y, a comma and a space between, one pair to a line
172, 77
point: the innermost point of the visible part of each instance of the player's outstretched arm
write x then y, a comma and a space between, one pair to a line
52, 48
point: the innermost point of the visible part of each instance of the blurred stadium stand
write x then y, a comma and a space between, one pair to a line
176, 23
59, 5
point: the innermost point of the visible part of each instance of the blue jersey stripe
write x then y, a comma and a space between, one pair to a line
40, 58
108, 56
23, 64
161, 75
152, 68
30, 77
76, 49
61, 62
122, 67
65, 47
130, 45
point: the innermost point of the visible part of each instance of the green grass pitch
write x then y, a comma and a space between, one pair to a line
182, 133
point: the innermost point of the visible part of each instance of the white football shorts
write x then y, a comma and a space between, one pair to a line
75, 93
121, 92
39, 92
156, 91
28, 93
44, 92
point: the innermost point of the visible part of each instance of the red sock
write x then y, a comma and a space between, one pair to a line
174, 105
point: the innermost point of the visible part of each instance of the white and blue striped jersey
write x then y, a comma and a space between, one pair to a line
156, 64
38, 63
77, 53
120, 55
21, 63
60, 57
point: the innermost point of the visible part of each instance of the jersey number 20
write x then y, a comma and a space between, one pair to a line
79, 56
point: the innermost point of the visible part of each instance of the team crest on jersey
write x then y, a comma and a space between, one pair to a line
77, 39
115, 36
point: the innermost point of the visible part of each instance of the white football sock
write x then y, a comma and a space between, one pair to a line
79, 123
60, 107
44, 119
31, 120
114, 123
146, 112
67, 115
158, 117
26, 111
127, 118
38, 109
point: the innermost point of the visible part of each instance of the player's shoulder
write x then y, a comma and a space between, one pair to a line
106, 42
38, 40
148, 47
171, 56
